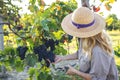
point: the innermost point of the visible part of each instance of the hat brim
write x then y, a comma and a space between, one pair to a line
96, 28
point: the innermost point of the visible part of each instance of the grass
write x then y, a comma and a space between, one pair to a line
115, 36
117, 60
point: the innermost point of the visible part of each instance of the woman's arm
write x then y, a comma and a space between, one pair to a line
85, 76
70, 56
100, 67
72, 71
59, 58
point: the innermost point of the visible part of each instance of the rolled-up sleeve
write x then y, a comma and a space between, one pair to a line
100, 64
113, 71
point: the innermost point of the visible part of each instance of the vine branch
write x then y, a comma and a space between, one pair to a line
8, 23
85, 3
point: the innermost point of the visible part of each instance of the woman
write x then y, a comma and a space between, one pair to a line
95, 51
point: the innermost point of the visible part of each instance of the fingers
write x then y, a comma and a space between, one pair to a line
58, 58
70, 70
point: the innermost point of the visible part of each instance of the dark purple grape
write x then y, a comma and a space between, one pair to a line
42, 52
39, 58
47, 63
70, 37
46, 43
36, 50
52, 44
56, 42
22, 50
42, 49
51, 56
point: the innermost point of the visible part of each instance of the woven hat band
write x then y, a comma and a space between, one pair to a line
83, 25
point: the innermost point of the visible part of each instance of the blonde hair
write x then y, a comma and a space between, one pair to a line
102, 39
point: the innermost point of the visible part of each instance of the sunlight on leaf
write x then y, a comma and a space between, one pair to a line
101, 13
111, 1
31, 71
109, 21
108, 6
58, 34
32, 1
101, 0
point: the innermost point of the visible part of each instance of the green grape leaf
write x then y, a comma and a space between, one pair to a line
19, 65
44, 25
31, 59
49, 77
31, 71
102, 0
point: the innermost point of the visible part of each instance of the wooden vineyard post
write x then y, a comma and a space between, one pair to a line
1, 35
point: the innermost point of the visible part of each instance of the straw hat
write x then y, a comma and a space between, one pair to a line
83, 23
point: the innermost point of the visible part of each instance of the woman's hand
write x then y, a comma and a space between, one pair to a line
58, 58
71, 70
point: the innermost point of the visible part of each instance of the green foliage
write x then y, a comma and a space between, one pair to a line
10, 59
31, 60
112, 22
45, 23
8, 10
39, 73
60, 50
42, 23
117, 51
59, 74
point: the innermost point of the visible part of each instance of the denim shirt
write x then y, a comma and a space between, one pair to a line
101, 66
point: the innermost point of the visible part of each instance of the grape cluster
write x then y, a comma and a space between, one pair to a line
51, 43
43, 53
21, 51
49, 58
